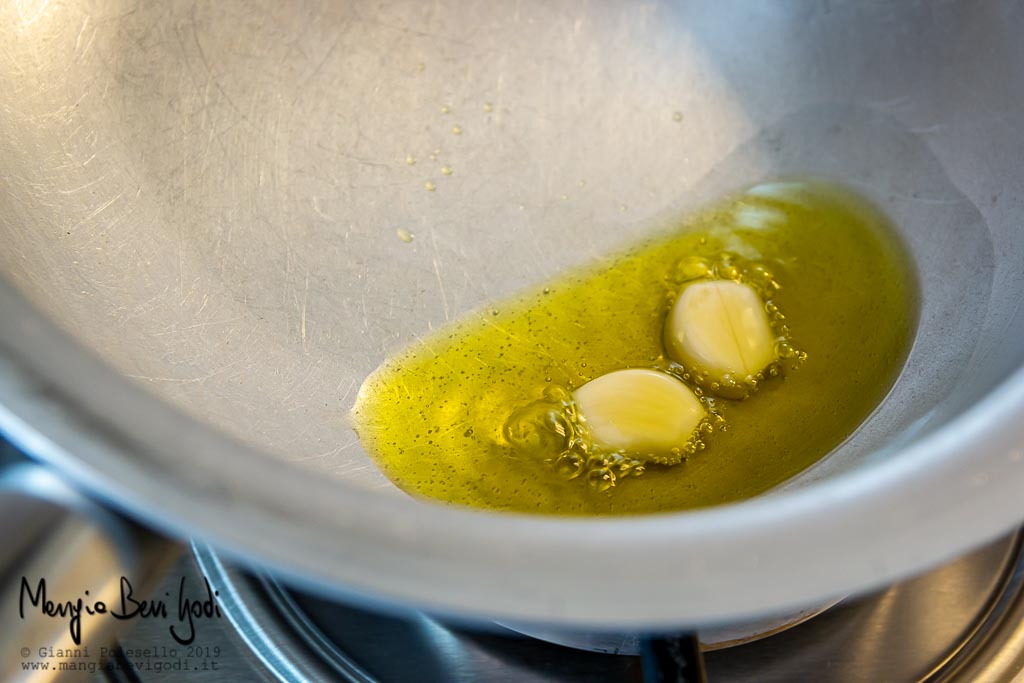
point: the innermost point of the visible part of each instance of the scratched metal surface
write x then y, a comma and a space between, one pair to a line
233, 176
209, 196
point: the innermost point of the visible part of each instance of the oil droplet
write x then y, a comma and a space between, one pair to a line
456, 130
446, 170
488, 107
622, 208
522, 207
430, 186
421, 66
404, 235
410, 159
445, 109
564, 196
582, 183
677, 116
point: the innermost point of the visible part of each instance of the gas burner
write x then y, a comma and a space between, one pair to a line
961, 622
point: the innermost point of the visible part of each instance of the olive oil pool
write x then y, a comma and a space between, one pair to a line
705, 365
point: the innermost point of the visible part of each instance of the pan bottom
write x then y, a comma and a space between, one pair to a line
959, 622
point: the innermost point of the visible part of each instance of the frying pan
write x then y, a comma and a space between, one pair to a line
199, 208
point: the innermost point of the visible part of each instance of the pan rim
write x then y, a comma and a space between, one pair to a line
936, 498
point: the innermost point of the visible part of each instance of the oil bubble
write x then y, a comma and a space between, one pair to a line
557, 394
569, 465
728, 271
601, 479
557, 423
692, 268
783, 349
534, 429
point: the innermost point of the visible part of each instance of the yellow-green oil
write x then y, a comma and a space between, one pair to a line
432, 416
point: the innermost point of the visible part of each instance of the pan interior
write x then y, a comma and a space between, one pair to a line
216, 198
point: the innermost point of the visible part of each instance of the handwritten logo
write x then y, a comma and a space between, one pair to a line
126, 607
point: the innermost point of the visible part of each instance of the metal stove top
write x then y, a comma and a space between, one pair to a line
961, 622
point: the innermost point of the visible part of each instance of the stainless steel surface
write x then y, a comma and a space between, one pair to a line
717, 637
230, 660
206, 196
56, 546
959, 623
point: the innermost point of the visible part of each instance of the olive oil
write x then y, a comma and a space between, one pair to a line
435, 416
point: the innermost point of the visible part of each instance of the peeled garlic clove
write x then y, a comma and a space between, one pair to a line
639, 411
719, 328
